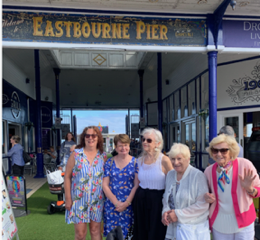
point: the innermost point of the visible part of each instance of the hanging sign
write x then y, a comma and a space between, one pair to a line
50, 27
9, 227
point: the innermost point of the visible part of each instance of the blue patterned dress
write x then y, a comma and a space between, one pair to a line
121, 184
86, 189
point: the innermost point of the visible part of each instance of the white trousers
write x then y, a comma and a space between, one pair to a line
247, 233
192, 232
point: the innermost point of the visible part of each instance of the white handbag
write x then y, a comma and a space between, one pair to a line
54, 177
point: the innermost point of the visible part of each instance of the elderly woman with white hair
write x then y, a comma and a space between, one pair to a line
185, 210
233, 183
153, 168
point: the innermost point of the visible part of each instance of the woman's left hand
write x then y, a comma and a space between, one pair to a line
172, 217
122, 206
247, 180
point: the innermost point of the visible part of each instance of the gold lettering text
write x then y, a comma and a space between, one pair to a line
140, 28
96, 32
85, 26
105, 30
58, 26
148, 31
49, 29
68, 25
154, 31
163, 31
116, 30
126, 35
77, 32
37, 21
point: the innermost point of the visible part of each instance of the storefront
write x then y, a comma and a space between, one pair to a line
182, 91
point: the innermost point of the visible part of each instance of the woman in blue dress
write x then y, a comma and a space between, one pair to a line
84, 198
119, 185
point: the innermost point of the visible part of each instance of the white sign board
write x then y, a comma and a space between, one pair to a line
9, 227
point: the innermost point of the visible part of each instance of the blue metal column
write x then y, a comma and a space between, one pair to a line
212, 64
57, 74
38, 130
159, 90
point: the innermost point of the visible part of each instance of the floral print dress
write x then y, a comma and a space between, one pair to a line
121, 184
86, 189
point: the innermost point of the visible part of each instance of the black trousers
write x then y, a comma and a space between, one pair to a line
148, 214
17, 170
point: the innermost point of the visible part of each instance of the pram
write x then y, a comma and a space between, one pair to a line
56, 186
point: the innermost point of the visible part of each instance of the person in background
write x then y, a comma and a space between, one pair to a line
119, 185
228, 130
153, 168
53, 154
16, 153
233, 183
67, 147
185, 210
84, 198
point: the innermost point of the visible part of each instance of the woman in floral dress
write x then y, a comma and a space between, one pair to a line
119, 185
84, 198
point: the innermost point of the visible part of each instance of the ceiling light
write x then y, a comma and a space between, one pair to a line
202, 1
233, 4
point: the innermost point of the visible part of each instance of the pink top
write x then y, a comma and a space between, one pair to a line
242, 201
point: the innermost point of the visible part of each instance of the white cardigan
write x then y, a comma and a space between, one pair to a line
190, 205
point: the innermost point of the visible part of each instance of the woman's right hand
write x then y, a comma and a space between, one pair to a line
164, 219
68, 203
209, 197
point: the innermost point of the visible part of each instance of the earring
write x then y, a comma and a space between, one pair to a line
157, 149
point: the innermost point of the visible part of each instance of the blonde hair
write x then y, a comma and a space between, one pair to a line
123, 138
230, 141
16, 138
179, 148
158, 139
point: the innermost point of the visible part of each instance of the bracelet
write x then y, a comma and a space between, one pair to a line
251, 193
116, 204
129, 203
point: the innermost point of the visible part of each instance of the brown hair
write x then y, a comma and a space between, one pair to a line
123, 138
99, 136
73, 138
16, 138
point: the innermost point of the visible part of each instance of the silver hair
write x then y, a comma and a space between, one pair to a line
158, 139
228, 130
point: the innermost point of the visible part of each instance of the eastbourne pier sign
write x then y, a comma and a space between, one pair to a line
66, 28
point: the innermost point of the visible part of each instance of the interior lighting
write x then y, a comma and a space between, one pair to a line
233, 4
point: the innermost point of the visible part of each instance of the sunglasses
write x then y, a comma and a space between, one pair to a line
222, 150
91, 135
149, 140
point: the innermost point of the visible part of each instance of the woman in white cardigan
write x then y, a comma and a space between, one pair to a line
185, 211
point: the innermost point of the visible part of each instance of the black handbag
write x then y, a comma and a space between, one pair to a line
115, 234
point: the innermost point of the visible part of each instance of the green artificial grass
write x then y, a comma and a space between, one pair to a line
39, 225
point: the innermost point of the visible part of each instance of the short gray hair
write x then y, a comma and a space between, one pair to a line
228, 130
179, 148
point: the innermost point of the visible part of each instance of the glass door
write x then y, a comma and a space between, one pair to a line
235, 120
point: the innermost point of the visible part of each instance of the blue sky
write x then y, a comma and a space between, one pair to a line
114, 119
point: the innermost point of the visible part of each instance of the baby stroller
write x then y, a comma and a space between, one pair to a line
56, 186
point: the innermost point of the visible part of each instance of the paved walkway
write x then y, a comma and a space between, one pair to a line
33, 184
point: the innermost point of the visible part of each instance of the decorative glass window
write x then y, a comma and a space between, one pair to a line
191, 98
177, 110
184, 104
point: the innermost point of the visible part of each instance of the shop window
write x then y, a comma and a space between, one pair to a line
234, 122
4, 138
193, 137
204, 92
198, 94
177, 110
165, 111
171, 111
191, 98
184, 104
